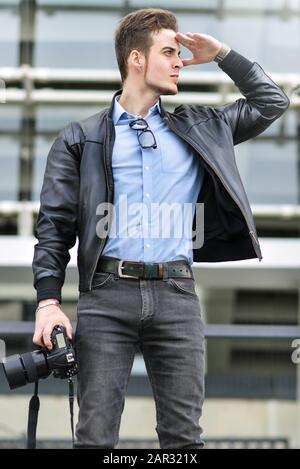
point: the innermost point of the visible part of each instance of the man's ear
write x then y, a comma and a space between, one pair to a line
136, 59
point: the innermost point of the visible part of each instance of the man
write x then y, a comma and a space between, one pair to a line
137, 291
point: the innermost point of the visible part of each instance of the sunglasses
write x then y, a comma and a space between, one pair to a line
145, 135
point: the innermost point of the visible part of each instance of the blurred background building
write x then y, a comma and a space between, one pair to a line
57, 64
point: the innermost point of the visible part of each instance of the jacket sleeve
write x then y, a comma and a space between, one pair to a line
264, 100
56, 226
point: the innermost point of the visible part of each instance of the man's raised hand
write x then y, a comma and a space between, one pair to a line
203, 47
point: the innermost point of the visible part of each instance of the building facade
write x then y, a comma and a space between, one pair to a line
57, 64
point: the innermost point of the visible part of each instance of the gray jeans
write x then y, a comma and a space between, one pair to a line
159, 318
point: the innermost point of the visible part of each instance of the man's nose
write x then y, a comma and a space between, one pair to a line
179, 63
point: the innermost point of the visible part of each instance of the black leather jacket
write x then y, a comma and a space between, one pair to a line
78, 177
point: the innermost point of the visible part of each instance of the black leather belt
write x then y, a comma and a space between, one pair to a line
145, 270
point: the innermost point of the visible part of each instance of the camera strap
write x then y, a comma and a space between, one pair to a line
34, 407
71, 405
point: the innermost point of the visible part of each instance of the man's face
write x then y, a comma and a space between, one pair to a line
163, 65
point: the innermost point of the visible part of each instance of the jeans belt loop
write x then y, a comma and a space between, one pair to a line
160, 270
166, 272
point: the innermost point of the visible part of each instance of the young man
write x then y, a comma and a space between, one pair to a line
137, 291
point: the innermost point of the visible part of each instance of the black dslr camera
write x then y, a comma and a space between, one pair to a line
32, 366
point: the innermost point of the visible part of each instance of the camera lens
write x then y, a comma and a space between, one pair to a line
26, 368
14, 371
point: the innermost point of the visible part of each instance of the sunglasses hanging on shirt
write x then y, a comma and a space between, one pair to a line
145, 135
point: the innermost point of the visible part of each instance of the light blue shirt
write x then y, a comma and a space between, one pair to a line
147, 182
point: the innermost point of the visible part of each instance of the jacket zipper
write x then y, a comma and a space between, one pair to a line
107, 186
184, 137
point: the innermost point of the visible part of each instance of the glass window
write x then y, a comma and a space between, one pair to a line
9, 34
274, 41
251, 367
284, 127
269, 171
64, 36
9, 2
295, 5
41, 150
75, 40
53, 119
88, 3
255, 4
176, 3
9, 163
10, 118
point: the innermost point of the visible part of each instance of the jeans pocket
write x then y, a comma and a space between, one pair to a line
183, 285
102, 279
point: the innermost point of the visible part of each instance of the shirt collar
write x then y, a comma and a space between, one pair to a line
119, 112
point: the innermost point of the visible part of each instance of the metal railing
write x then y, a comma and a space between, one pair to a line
25, 212
28, 88
224, 331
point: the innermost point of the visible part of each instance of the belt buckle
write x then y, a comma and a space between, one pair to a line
120, 273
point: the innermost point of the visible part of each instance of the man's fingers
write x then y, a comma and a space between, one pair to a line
46, 338
45, 326
48, 331
67, 324
188, 42
188, 62
69, 331
37, 339
184, 39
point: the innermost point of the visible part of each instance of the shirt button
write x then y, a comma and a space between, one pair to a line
147, 195
148, 246
147, 167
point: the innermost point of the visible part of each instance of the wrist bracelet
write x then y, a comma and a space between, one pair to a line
47, 304
225, 49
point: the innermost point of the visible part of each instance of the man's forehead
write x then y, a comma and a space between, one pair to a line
165, 38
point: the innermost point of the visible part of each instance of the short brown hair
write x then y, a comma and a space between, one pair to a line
134, 32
